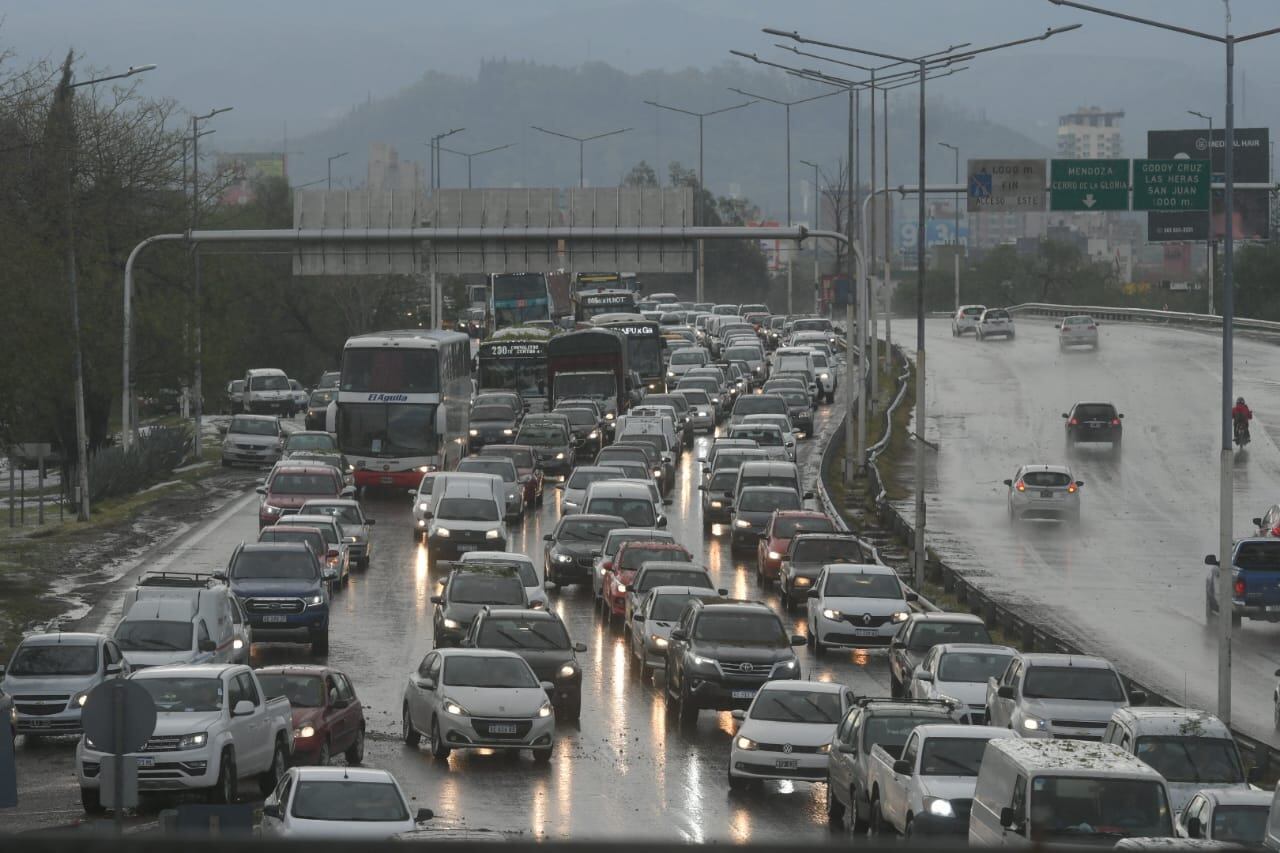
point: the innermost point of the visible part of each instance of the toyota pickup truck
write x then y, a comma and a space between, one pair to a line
929, 790
1255, 581
214, 727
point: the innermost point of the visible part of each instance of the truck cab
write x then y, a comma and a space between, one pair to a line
1255, 581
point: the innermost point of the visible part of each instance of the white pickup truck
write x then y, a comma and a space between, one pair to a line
214, 727
929, 790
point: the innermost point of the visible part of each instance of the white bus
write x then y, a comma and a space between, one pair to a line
402, 404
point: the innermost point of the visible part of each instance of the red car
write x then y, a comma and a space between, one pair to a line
785, 523
288, 487
327, 716
526, 468
622, 571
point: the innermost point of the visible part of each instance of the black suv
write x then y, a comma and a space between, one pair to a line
467, 590
1094, 423
721, 652
806, 556
572, 546
540, 637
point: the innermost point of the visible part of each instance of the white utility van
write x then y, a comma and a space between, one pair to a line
182, 618
266, 390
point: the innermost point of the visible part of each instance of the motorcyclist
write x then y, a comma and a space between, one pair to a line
1240, 417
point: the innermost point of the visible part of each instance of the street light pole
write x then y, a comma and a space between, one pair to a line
787, 105
817, 226
697, 206
1229, 42
475, 154
198, 373
1208, 234
435, 156
330, 168
955, 231
65, 97
581, 140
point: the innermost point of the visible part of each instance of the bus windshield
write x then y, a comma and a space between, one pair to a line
391, 371
519, 298
379, 429
527, 376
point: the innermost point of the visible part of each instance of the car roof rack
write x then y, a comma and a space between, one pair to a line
191, 580
864, 701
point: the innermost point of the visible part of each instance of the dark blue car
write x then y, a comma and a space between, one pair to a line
283, 591
1255, 581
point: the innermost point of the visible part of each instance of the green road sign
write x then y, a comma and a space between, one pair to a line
1171, 185
1089, 185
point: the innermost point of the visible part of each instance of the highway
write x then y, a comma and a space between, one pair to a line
625, 771
1130, 583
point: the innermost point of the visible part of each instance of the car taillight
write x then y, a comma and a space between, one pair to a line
1275, 531
1092, 327
1071, 488
1021, 486
1240, 587
332, 556
1074, 421
1115, 422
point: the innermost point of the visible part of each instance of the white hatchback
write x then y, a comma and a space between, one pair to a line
995, 323
338, 804
966, 319
1044, 492
1078, 331
787, 731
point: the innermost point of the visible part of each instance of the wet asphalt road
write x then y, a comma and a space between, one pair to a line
1130, 583
623, 772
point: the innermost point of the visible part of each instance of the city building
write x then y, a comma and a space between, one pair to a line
387, 172
1090, 133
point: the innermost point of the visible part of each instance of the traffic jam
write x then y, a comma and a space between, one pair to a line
582, 580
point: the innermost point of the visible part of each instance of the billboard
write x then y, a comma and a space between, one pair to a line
1251, 165
241, 170
938, 232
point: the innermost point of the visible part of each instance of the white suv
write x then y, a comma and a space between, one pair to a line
1044, 491
995, 322
966, 319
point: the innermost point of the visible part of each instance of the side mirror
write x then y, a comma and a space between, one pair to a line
208, 646
597, 553
422, 816
808, 496
219, 576
262, 490
1005, 691
1138, 697
1079, 483
371, 521
738, 715
428, 684
1064, 414
911, 596
116, 669
1120, 416
1257, 522
678, 635
1193, 827
580, 647
922, 675
668, 501
815, 594
1008, 483
725, 592
548, 686
1210, 560
428, 514
902, 767
548, 537
662, 522
347, 492
638, 617
271, 811
1008, 817
798, 640
243, 708
437, 599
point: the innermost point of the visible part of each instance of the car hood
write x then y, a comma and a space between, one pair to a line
874, 606
139, 659
796, 734
661, 629
171, 723
576, 549
249, 587
948, 787
463, 613
968, 692
255, 440
347, 830
756, 517
32, 684
292, 501
1072, 709
307, 717
495, 702
546, 663
1180, 793
754, 654
574, 496
492, 425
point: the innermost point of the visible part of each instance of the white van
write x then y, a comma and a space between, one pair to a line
466, 515
267, 389
1191, 749
1041, 791
182, 619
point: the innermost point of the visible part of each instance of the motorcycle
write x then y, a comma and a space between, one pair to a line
1241, 432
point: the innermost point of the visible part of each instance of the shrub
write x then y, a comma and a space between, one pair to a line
115, 471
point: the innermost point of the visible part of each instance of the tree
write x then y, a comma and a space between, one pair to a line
835, 194
641, 175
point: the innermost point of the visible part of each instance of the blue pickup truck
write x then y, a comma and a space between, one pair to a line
1255, 581
283, 591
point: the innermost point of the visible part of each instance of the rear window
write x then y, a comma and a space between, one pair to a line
1046, 479
633, 558
827, 551
1259, 556
493, 413
503, 468
785, 528
754, 500
997, 314
303, 484
1095, 410
972, 311
671, 577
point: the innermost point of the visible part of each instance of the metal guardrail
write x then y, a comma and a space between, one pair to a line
1029, 635
1135, 315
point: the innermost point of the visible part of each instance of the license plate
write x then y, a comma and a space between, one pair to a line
1095, 426
787, 763
1046, 494
386, 481
275, 617
744, 694
502, 728
146, 761
865, 632
462, 549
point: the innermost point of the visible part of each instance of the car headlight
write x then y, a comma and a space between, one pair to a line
594, 434
422, 507
747, 743
703, 413
316, 599
491, 534
452, 707
475, 432
701, 661
270, 510
939, 807
671, 375
80, 698
302, 733
422, 469
657, 472
608, 416
803, 581
715, 399
660, 642
788, 664
506, 431
824, 376
832, 614
741, 522
716, 504
1032, 724
451, 623
237, 644
545, 710
443, 532
900, 616
560, 456
562, 558
824, 748
568, 670
774, 555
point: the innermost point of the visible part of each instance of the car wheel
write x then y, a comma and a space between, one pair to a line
91, 799
688, 713
857, 824
224, 793
646, 672
835, 808
737, 783
268, 780
355, 752
1209, 612
1236, 619
325, 755
408, 733
542, 756
571, 711
895, 688
320, 641
439, 749
669, 700
877, 818
819, 647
